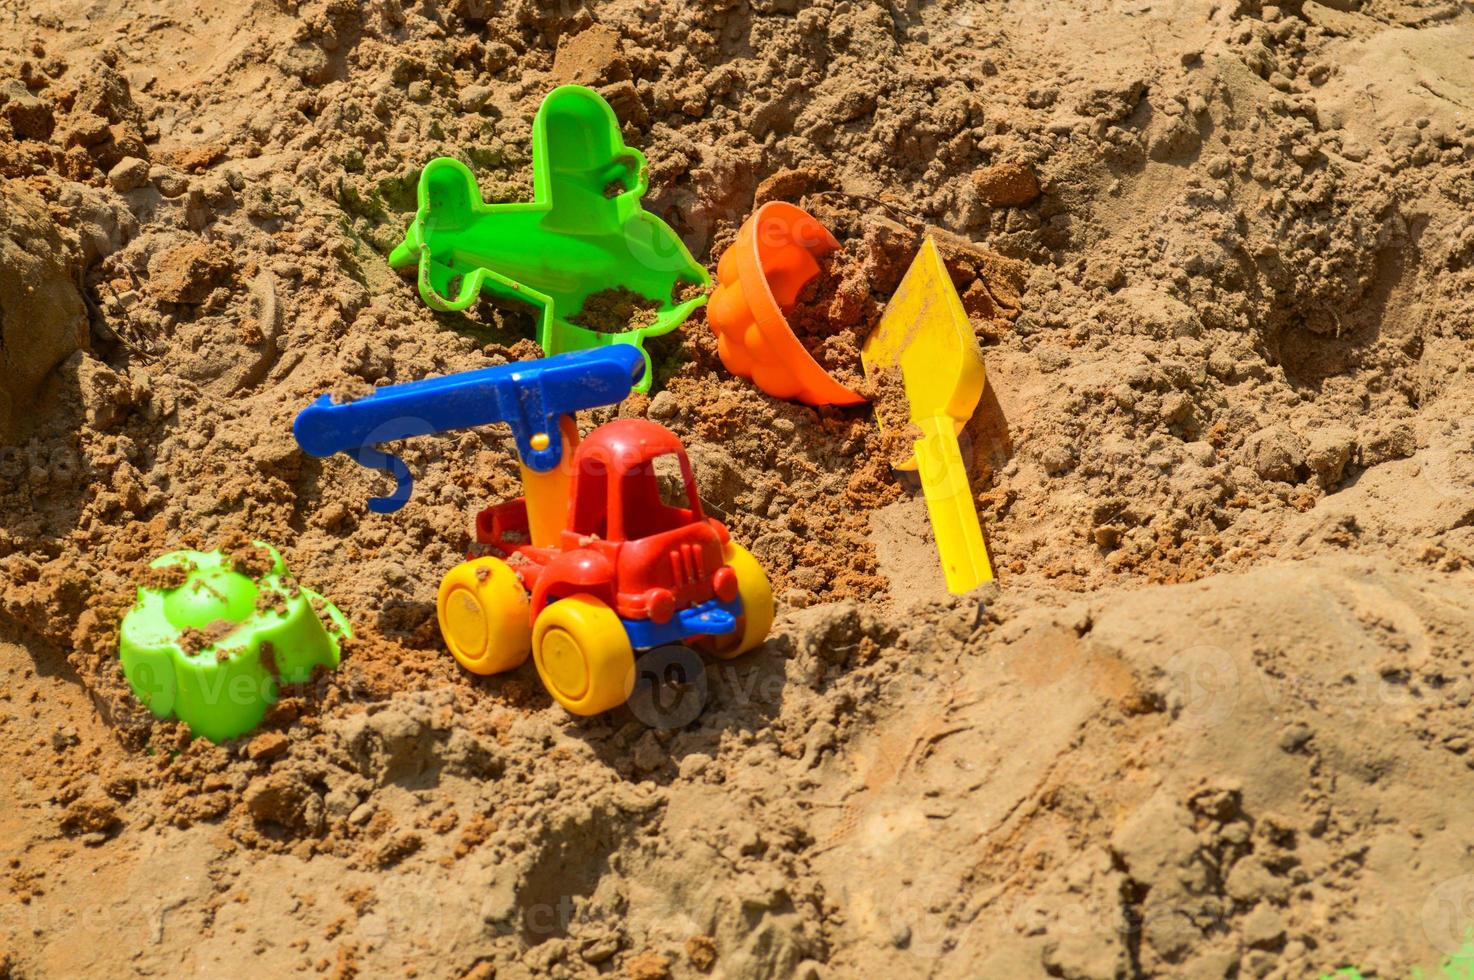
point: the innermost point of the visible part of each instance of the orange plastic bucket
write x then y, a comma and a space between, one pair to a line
776, 253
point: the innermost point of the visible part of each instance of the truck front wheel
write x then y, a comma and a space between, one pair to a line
757, 606
583, 655
484, 616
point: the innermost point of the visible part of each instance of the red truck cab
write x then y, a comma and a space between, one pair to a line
624, 542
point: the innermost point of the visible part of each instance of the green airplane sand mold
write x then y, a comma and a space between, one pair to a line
583, 235
209, 641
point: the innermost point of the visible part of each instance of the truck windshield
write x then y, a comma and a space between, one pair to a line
656, 496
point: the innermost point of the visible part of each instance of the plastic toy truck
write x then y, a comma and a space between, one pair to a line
604, 556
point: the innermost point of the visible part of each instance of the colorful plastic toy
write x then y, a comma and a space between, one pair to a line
584, 232
776, 253
627, 572
209, 645
925, 334
592, 564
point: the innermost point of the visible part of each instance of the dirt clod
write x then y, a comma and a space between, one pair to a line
702, 952
648, 965
1007, 185
246, 557
187, 273
91, 813
165, 577
42, 317
267, 745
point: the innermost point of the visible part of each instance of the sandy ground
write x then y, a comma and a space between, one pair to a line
1213, 720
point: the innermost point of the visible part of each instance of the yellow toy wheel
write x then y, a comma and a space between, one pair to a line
757, 606
484, 616
583, 655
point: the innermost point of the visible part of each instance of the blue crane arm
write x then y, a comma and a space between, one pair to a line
530, 396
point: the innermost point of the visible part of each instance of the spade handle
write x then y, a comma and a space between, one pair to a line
949, 504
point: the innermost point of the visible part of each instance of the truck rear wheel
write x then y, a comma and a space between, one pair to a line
583, 655
757, 606
484, 616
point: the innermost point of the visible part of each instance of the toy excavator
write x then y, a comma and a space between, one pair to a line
596, 561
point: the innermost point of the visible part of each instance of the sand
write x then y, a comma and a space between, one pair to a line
1211, 721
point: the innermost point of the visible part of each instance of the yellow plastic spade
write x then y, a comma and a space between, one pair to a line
925, 333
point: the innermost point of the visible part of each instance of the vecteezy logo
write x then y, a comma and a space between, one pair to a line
1202, 685
1448, 913
1446, 467
670, 687
691, 221
919, 915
